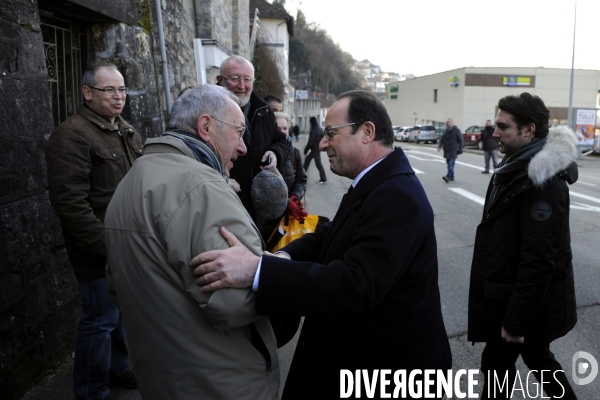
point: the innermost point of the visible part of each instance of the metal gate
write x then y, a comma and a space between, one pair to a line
63, 44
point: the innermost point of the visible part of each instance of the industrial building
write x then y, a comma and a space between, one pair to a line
470, 96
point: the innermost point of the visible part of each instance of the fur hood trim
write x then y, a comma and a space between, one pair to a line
559, 151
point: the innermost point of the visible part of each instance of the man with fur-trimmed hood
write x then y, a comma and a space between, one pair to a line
522, 294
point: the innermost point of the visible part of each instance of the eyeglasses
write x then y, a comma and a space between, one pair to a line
328, 131
109, 92
240, 129
236, 79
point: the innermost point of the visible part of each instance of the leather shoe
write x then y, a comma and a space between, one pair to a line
485, 172
127, 380
445, 179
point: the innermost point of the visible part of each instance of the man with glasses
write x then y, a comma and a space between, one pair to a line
87, 156
186, 344
267, 145
368, 282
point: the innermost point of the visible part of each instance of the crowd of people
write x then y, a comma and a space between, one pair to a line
167, 241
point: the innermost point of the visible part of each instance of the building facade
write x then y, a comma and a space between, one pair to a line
275, 29
470, 95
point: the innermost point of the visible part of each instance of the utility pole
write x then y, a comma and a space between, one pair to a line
570, 116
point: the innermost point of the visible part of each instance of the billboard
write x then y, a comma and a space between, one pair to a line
585, 126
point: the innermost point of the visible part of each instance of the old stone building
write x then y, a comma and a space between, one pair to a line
44, 47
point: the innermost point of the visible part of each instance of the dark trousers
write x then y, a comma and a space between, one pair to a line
317, 156
499, 357
100, 346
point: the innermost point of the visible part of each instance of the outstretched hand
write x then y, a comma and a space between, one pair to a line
234, 267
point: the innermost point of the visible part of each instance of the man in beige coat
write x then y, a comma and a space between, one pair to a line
186, 344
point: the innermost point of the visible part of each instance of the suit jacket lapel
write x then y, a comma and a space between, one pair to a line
394, 163
340, 216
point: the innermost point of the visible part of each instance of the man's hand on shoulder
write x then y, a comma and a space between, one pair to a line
234, 267
508, 338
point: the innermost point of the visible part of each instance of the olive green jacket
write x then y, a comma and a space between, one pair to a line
185, 344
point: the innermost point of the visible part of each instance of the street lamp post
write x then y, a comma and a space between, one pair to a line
570, 116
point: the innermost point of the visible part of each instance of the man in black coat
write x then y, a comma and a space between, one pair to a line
314, 138
522, 295
490, 146
263, 139
452, 143
368, 282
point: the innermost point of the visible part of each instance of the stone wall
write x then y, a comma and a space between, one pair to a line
130, 49
38, 296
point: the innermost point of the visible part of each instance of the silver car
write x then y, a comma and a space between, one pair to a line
423, 133
401, 133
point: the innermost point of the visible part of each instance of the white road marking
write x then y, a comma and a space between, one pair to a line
418, 171
585, 183
425, 159
469, 165
585, 207
468, 195
583, 196
440, 159
480, 200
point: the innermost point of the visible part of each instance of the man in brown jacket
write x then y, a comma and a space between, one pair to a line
87, 156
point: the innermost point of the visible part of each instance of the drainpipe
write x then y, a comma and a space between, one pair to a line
163, 57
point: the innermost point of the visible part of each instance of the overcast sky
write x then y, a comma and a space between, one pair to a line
428, 36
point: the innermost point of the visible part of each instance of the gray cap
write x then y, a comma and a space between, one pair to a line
269, 194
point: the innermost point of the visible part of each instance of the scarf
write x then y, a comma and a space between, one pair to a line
510, 166
205, 155
203, 152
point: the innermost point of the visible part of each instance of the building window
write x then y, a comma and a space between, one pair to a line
63, 48
435, 95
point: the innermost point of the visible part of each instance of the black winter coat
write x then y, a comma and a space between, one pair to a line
314, 138
264, 134
522, 273
294, 175
452, 142
489, 142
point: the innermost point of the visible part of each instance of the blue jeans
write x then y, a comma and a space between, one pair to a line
450, 162
494, 155
100, 345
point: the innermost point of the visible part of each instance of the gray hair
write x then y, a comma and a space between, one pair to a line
284, 116
89, 76
202, 99
236, 59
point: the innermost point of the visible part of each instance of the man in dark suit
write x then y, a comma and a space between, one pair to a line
368, 282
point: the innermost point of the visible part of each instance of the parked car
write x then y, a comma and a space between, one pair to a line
472, 136
423, 133
401, 133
